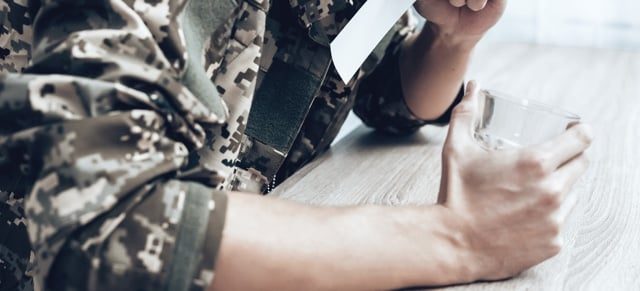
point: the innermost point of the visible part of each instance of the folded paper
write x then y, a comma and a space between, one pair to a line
362, 34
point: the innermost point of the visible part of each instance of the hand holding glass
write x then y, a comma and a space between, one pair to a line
508, 122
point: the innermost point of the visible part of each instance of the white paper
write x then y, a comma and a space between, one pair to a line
362, 34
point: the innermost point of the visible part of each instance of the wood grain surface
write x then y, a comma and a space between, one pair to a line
602, 236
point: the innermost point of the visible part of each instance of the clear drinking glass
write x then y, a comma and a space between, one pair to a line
509, 122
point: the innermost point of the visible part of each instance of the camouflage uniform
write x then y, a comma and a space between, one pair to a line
126, 108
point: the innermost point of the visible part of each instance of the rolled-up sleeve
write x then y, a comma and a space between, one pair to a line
380, 102
100, 122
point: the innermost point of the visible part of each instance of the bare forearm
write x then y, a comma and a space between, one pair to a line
277, 245
433, 66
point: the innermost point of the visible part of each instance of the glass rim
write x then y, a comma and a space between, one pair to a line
530, 104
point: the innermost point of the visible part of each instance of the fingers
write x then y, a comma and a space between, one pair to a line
458, 3
476, 5
471, 92
463, 117
567, 207
558, 184
569, 174
566, 147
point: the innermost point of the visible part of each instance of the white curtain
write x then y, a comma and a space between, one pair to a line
591, 23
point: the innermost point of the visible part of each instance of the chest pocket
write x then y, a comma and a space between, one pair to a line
295, 63
292, 71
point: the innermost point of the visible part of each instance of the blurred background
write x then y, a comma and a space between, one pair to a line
585, 23
597, 24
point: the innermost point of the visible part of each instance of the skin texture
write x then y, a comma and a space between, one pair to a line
462, 19
493, 206
511, 200
334, 248
115, 125
433, 62
487, 226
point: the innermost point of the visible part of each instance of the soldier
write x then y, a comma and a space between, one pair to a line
132, 133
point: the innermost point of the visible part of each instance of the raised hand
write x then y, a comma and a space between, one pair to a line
462, 18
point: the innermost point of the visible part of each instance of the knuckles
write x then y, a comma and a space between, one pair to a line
534, 163
556, 190
556, 245
554, 230
550, 199
451, 150
459, 151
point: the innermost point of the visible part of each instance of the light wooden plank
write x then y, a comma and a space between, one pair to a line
603, 234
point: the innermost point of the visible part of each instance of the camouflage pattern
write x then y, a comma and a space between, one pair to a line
16, 257
375, 94
101, 139
104, 139
16, 18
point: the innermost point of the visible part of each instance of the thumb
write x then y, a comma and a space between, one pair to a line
463, 118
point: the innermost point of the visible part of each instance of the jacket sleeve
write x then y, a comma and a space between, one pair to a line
100, 118
380, 101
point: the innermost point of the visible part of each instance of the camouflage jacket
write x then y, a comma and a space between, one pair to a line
112, 110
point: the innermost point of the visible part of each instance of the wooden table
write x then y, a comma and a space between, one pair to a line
603, 234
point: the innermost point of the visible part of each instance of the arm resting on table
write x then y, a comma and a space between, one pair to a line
280, 245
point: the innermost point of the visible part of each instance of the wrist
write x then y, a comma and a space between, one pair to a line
436, 246
431, 43
449, 39
452, 231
